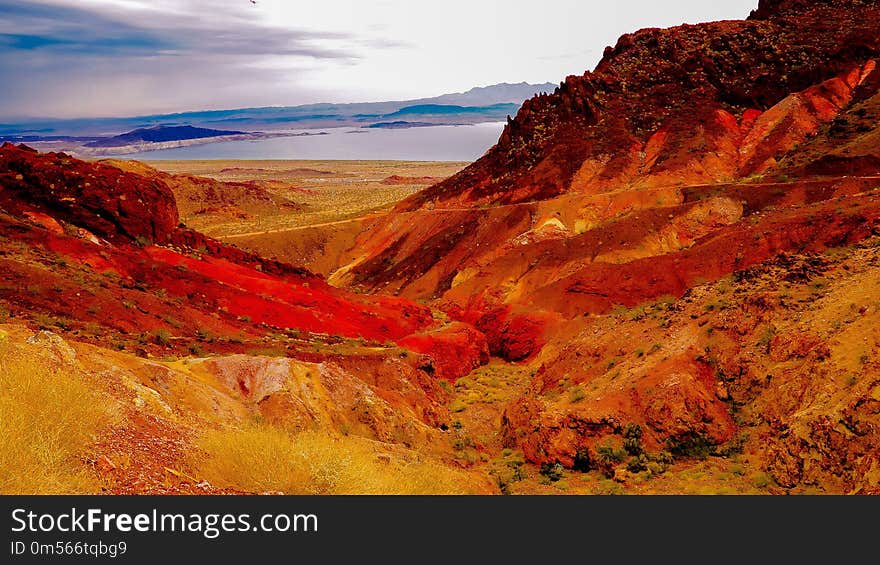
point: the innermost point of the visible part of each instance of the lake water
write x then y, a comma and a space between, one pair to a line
435, 143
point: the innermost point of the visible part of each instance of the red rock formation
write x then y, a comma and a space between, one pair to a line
688, 154
96, 216
452, 353
105, 200
589, 200
661, 87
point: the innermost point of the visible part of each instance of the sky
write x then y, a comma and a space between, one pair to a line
91, 58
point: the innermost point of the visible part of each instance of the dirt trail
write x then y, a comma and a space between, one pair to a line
376, 215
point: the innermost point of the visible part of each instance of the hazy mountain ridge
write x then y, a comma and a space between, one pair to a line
158, 134
482, 104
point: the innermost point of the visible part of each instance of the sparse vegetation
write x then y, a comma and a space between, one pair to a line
457, 406
48, 418
261, 458
766, 337
577, 394
162, 337
761, 480
691, 445
607, 457
204, 335
582, 461
552, 471
47, 322
632, 439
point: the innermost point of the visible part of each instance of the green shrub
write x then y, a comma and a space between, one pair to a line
761, 480
636, 464
552, 471
162, 337
204, 335
582, 461
607, 457
691, 445
632, 439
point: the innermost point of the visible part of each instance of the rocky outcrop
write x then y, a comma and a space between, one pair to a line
450, 352
167, 287
687, 154
103, 199
657, 92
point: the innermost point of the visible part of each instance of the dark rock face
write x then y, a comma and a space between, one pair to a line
105, 200
659, 76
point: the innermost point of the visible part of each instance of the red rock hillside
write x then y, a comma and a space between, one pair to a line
653, 171
600, 239
665, 277
96, 254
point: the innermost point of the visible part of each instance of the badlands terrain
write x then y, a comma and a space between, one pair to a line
664, 278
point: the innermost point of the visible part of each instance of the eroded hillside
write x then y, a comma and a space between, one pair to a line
665, 277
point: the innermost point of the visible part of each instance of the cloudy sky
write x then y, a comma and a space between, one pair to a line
70, 58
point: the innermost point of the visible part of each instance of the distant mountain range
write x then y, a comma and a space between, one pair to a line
477, 105
159, 134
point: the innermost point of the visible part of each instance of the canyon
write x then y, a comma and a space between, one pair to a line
663, 278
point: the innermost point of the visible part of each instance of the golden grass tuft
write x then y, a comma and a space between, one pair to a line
48, 418
262, 458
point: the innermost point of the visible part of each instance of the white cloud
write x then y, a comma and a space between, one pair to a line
100, 57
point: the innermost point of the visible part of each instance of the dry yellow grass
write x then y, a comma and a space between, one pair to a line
262, 458
48, 418
329, 191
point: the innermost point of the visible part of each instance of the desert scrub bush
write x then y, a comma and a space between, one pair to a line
762, 480
766, 337
507, 474
690, 445
48, 418
204, 335
718, 305
162, 337
237, 338
47, 322
582, 461
457, 406
263, 458
637, 464
632, 439
577, 394
552, 471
